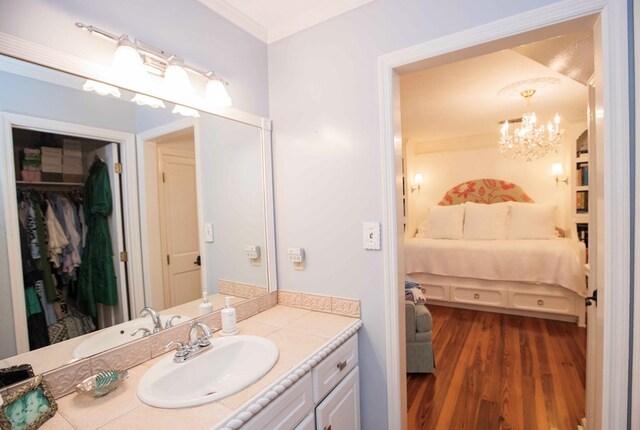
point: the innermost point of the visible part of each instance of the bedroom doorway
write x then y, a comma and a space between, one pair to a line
615, 244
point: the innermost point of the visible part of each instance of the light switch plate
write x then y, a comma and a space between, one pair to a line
371, 235
208, 232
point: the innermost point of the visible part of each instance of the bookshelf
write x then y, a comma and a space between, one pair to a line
581, 187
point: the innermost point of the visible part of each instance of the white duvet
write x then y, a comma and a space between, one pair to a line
553, 261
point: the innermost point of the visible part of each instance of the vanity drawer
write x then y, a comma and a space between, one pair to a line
330, 371
308, 423
475, 296
536, 302
288, 410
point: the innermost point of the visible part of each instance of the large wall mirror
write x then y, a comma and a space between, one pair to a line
115, 212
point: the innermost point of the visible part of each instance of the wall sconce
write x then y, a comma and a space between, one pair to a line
417, 181
134, 61
558, 172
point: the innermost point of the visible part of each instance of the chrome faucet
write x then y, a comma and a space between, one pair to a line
155, 318
196, 345
202, 341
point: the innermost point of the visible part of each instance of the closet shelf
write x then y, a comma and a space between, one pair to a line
45, 184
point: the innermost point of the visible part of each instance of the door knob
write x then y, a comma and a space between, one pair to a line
588, 301
198, 262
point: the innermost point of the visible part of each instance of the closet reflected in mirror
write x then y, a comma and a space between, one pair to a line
111, 207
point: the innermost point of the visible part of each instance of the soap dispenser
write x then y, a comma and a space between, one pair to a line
205, 307
228, 317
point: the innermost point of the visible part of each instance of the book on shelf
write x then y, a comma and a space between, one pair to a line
582, 174
583, 233
582, 201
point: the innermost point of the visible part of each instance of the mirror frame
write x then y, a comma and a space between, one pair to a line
34, 53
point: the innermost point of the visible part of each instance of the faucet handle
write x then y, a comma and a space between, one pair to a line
182, 350
169, 322
145, 332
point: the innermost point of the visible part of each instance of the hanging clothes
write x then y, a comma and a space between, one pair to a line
41, 237
72, 259
57, 238
97, 281
36, 321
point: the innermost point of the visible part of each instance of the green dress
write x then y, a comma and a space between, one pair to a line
97, 282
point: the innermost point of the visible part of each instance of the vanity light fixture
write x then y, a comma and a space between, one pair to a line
176, 79
558, 172
216, 91
101, 88
127, 62
142, 100
186, 111
136, 60
417, 181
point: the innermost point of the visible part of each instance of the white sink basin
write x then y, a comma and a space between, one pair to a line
232, 364
117, 335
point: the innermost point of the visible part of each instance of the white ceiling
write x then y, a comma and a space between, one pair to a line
273, 20
442, 106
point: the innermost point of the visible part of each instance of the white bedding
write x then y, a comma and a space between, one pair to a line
552, 261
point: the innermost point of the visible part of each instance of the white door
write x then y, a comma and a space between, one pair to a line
595, 316
340, 410
110, 315
179, 227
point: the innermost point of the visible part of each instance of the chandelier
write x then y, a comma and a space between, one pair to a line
530, 141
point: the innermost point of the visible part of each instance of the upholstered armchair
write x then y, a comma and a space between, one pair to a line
420, 357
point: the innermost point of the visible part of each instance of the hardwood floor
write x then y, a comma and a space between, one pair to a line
497, 371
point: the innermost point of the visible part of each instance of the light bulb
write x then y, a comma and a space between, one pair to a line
177, 80
186, 111
142, 100
127, 62
556, 169
101, 88
217, 93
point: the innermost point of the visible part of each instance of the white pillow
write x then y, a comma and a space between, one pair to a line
532, 221
486, 222
423, 229
445, 222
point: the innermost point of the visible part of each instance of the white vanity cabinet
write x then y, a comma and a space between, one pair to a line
341, 409
327, 398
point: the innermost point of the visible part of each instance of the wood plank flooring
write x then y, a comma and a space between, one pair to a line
497, 371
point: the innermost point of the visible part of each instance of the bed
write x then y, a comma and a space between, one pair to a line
487, 245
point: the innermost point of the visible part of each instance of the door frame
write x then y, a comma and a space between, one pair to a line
8, 185
141, 141
617, 223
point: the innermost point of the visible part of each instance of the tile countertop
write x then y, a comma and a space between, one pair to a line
297, 332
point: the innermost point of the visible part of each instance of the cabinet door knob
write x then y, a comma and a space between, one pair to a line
341, 365
476, 296
540, 302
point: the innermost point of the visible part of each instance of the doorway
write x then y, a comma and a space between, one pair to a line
615, 190
85, 145
173, 262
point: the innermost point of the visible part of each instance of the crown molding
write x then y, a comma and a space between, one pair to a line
313, 17
232, 14
291, 26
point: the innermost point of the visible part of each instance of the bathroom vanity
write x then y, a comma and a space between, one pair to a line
313, 385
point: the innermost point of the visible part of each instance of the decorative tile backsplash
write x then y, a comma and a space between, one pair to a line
62, 381
320, 303
240, 289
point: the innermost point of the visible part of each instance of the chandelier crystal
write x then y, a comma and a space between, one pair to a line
530, 141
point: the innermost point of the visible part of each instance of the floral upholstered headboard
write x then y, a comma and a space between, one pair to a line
485, 191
